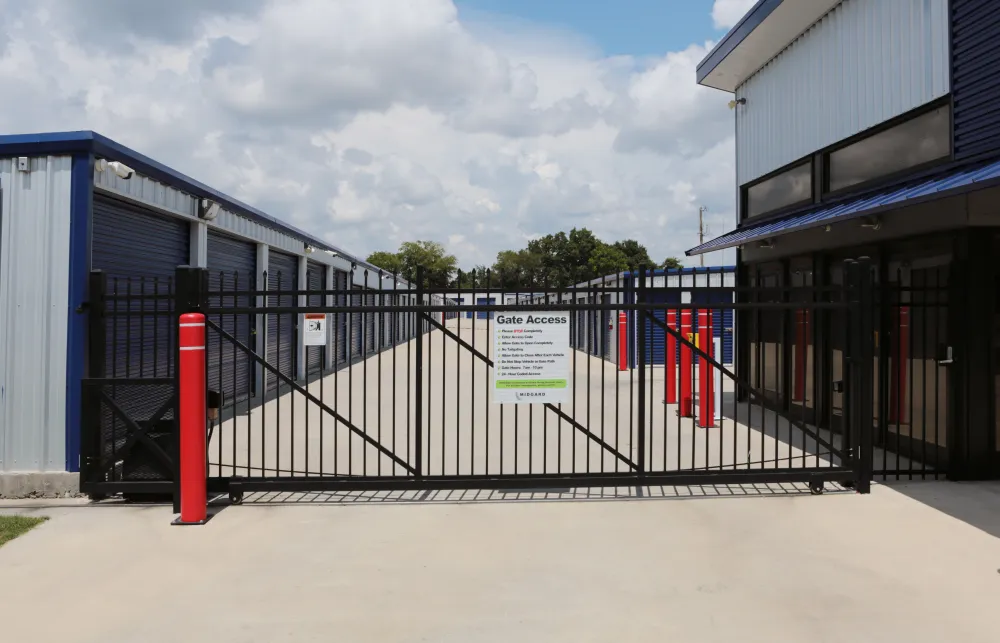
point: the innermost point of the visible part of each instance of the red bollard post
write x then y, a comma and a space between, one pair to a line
686, 374
670, 363
622, 342
193, 416
706, 383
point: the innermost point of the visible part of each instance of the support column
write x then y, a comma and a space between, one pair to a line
199, 244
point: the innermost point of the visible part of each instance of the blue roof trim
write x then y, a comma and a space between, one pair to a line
102, 146
947, 184
693, 270
736, 35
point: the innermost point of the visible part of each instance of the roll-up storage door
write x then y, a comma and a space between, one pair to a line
656, 337
282, 276
370, 319
232, 267
139, 251
315, 278
357, 330
341, 331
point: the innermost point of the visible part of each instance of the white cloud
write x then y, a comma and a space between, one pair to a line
370, 123
726, 13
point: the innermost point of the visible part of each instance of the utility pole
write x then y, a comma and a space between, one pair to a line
701, 232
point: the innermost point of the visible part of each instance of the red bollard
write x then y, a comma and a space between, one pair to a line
670, 361
686, 374
706, 383
193, 415
622, 342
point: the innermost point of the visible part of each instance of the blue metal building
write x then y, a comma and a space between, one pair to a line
75, 202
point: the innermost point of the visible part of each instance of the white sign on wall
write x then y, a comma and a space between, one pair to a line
315, 329
532, 358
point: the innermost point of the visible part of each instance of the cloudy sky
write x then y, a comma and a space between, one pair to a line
477, 123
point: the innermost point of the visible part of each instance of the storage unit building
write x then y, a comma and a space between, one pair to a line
68, 212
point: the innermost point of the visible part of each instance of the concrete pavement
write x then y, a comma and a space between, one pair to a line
729, 564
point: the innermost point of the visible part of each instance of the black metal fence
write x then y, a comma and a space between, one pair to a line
831, 384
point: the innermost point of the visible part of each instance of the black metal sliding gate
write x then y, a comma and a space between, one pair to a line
402, 395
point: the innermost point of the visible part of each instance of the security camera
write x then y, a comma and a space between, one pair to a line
120, 169
208, 209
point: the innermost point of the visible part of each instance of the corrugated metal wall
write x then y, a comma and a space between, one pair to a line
976, 85
865, 62
34, 295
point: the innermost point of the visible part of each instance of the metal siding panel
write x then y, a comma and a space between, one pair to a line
976, 87
34, 292
232, 265
863, 63
282, 275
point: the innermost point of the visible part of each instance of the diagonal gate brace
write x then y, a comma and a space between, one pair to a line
555, 409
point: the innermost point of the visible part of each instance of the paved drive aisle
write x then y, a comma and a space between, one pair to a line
838, 567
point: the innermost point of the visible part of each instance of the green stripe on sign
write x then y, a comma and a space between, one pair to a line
531, 384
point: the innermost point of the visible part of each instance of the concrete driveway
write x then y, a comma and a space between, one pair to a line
911, 563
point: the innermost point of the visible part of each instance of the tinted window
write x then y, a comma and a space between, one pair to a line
785, 189
915, 142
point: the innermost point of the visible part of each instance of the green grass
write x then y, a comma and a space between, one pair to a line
13, 526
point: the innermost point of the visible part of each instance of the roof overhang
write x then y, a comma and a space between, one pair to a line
944, 184
88, 142
769, 27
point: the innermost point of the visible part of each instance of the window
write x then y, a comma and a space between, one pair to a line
791, 187
920, 140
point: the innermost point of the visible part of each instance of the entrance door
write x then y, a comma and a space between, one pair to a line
914, 416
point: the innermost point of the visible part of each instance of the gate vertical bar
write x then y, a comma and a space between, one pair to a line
641, 340
90, 443
418, 439
865, 379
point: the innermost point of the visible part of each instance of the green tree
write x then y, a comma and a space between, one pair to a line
388, 261
635, 253
439, 266
671, 262
607, 260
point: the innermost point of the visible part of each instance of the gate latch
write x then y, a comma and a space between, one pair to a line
838, 386
945, 356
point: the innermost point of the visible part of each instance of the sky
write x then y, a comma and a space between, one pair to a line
481, 124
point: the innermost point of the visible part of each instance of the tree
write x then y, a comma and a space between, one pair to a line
635, 253
388, 261
438, 265
607, 260
671, 263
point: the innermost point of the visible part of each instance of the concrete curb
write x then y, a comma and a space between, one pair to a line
39, 485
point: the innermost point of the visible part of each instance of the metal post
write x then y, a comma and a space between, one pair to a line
705, 403
90, 443
670, 361
641, 358
419, 378
622, 341
192, 417
686, 374
865, 379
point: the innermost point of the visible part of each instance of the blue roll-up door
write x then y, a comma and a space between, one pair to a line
485, 301
656, 344
232, 266
282, 276
357, 330
370, 323
139, 250
315, 280
341, 333
722, 320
